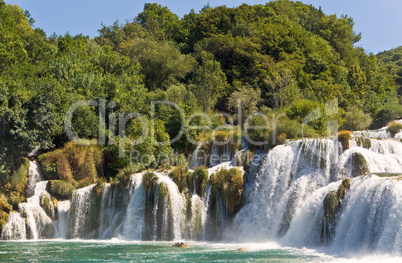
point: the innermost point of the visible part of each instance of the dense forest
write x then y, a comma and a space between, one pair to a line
281, 57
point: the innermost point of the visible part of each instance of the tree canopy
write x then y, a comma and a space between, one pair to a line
273, 57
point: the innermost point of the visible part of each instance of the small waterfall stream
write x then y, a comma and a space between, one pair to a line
33, 219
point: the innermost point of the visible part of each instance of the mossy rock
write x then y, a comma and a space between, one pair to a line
388, 174
146, 180
62, 190
179, 176
3, 220
15, 200
20, 176
333, 199
47, 206
200, 177
364, 142
230, 185
180, 244
4, 205
359, 165
344, 137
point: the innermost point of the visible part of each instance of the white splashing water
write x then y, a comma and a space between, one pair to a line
134, 221
63, 218
15, 228
177, 203
196, 160
34, 177
80, 203
286, 202
31, 217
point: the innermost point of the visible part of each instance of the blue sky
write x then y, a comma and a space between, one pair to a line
379, 21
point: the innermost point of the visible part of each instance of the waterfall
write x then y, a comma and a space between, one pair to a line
61, 224
134, 221
305, 193
371, 217
291, 174
15, 228
173, 203
196, 160
34, 177
80, 213
32, 221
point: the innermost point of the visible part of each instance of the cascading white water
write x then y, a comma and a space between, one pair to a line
196, 160
289, 174
31, 221
371, 217
287, 200
133, 224
34, 177
80, 206
283, 200
63, 218
176, 203
15, 228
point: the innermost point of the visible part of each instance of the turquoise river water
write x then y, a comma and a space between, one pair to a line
122, 251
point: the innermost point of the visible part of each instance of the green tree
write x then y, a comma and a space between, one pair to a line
208, 81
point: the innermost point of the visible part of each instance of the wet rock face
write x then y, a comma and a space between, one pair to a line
359, 165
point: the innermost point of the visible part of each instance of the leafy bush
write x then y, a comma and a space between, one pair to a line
300, 109
356, 119
55, 166
221, 136
387, 113
124, 174
74, 161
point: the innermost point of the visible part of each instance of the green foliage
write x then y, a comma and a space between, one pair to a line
283, 55
248, 99
60, 189
230, 185
356, 119
74, 161
161, 22
124, 174
300, 109
20, 176
200, 177
387, 113
179, 176
208, 81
